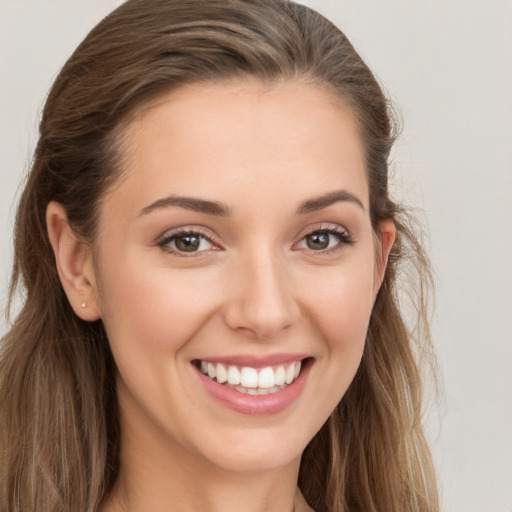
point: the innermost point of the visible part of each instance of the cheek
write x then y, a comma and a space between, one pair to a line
341, 305
338, 308
150, 315
146, 307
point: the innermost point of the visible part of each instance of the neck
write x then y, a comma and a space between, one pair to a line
180, 487
182, 494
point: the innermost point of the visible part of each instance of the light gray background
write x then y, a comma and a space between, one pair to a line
448, 65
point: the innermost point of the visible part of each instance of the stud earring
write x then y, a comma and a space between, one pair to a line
84, 304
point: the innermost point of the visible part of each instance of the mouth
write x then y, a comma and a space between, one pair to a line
251, 380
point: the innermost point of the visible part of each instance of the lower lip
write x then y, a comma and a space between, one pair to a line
256, 405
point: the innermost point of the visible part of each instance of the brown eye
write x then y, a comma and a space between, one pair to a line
187, 243
318, 241
325, 239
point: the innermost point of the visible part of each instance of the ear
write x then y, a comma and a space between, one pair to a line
74, 264
385, 239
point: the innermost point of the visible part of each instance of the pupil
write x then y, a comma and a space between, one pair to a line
188, 243
318, 241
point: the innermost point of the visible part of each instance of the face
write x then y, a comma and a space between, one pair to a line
236, 248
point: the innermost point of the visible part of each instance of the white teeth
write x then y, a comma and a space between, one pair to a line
249, 377
266, 378
222, 374
258, 391
251, 380
268, 391
233, 376
290, 374
280, 376
297, 370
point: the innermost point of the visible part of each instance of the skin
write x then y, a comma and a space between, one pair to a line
257, 288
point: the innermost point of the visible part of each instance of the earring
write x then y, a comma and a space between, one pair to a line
84, 304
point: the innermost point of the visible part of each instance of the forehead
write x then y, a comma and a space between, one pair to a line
223, 140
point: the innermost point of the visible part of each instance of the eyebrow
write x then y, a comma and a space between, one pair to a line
188, 203
221, 210
318, 203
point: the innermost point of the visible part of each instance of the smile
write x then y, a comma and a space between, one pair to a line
253, 385
249, 380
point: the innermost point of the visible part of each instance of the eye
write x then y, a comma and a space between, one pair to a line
325, 239
186, 242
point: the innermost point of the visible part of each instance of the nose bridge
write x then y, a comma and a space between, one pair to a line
263, 301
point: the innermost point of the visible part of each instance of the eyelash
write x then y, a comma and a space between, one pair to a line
344, 239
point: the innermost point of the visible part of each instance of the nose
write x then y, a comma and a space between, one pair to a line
261, 301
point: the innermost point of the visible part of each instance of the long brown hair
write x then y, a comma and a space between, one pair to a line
59, 431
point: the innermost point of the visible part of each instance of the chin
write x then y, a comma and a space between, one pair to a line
254, 453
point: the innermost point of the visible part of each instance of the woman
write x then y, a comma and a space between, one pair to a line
210, 255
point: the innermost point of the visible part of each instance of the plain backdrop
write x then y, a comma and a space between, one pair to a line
447, 64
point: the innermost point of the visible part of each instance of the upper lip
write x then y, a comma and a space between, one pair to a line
255, 361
